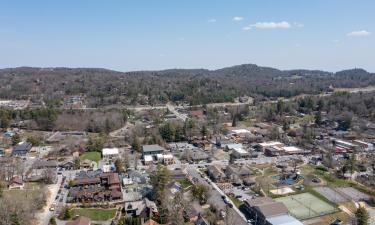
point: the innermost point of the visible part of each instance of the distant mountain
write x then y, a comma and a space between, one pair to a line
107, 87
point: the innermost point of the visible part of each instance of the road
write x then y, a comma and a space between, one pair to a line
172, 109
45, 215
233, 215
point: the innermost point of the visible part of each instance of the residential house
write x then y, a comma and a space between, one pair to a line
240, 153
67, 165
45, 164
152, 150
141, 209
216, 174
110, 154
237, 173
86, 164
168, 159
195, 155
21, 149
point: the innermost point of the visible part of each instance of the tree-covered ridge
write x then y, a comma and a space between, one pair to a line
196, 86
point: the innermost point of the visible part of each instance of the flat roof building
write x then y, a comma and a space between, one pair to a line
152, 150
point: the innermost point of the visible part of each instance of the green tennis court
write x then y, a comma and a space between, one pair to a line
306, 206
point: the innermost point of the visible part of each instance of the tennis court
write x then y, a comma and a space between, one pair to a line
306, 206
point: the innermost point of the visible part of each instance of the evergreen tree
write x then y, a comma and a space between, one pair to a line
362, 216
159, 180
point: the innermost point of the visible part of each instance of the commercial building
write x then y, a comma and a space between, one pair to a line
152, 150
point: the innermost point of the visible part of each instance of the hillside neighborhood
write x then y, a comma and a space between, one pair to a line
284, 162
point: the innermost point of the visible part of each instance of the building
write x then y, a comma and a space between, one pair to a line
95, 186
283, 220
80, 221
15, 183
262, 146
45, 164
216, 174
152, 150
292, 150
234, 172
86, 164
364, 145
273, 151
263, 208
21, 149
148, 160
110, 154
141, 209
344, 145
240, 153
168, 159
195, 155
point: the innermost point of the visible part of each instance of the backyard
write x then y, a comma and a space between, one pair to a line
94, 214
93, 156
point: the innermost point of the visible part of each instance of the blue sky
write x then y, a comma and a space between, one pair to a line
158, 34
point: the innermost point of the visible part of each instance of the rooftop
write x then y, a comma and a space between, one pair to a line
152, 148
110, 151
284, 220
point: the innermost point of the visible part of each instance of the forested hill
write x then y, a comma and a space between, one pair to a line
196, 86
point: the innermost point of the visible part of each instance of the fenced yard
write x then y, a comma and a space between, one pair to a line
306, 206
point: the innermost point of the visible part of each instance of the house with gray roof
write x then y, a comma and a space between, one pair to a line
152, 150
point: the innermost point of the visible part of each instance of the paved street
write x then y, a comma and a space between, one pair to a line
234, 216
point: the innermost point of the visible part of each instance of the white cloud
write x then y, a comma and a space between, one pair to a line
272, 25
238, 18
358, 33
212, 20
246, 28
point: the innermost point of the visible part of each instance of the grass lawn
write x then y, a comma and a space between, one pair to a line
95, 214
93, 156
185, 183
30, 191
330, 179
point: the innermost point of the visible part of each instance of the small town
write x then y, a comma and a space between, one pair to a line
189, 112
214, 164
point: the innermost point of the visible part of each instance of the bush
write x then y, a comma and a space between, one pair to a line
52, 221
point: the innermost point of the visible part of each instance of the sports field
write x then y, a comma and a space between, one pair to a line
306, 206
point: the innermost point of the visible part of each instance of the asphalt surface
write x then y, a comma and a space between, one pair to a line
233, 215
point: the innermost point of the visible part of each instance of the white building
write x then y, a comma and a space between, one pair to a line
110, 153
148, 159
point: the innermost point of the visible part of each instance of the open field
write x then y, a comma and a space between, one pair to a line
93, 156
306, 205
95, 214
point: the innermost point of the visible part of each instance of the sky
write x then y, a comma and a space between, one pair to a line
133, 35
